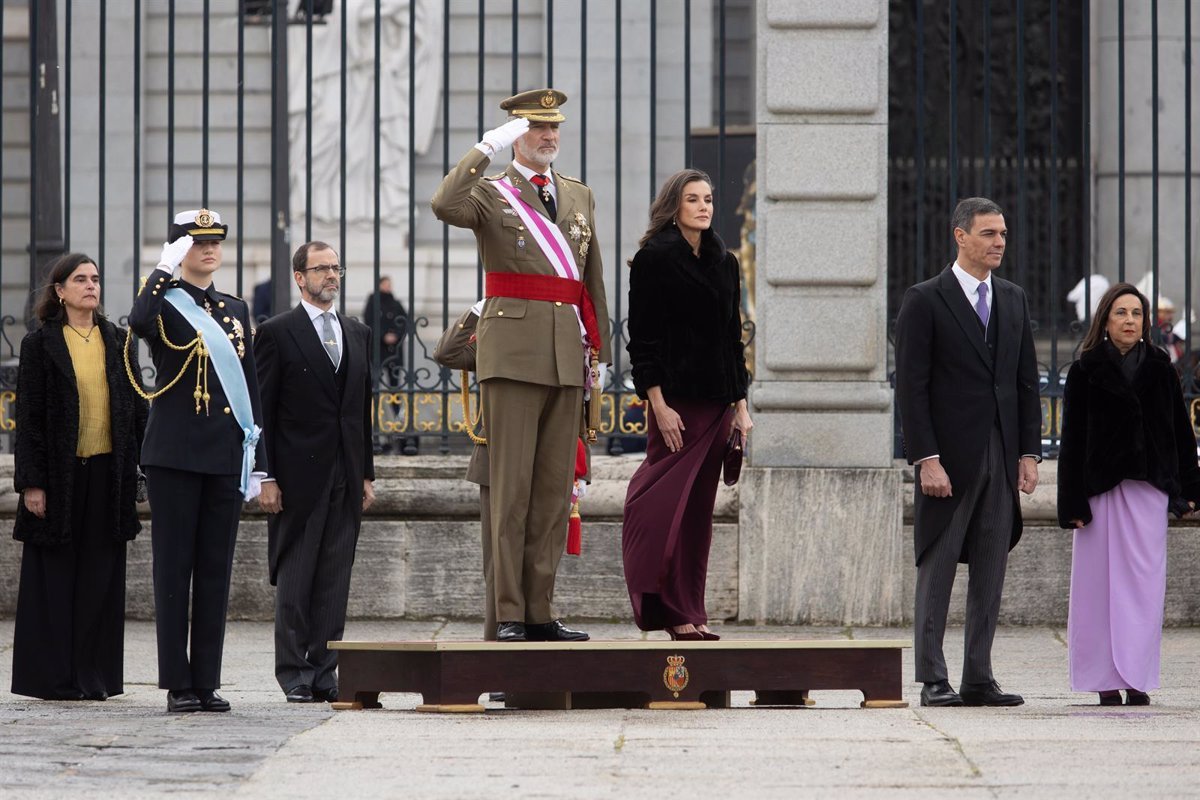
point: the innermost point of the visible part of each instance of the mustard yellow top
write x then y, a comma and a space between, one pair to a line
87, 357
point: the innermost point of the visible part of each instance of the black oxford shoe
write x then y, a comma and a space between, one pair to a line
300, 694
211, 701
182, 701
510, 632
554, 632
325, 695
987, 694
939, 693
1135, 698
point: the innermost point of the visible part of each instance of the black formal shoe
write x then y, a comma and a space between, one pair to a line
939, 693
325, 695
182, 701
211, 701
99, 696
553, 632
300, 694
1112, 698
987, 694
510, 632
1135, 698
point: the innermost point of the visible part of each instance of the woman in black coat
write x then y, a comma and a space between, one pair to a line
688, 362
1128, 454
79, 428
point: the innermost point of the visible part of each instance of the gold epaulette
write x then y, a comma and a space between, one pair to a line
495, 177
569, 178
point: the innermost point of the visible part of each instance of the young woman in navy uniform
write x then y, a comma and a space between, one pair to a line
202, 453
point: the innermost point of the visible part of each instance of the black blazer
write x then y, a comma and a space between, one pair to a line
950, 391
48, 434
685, 319
308, 421
176, 436
1114, 429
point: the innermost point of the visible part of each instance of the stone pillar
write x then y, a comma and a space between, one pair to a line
820, 511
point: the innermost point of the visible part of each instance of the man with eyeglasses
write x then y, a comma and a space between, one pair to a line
315, 381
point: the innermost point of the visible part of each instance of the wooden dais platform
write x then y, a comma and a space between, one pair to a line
451, 676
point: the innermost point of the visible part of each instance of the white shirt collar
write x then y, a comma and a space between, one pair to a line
314, 311
970, 284
529, 173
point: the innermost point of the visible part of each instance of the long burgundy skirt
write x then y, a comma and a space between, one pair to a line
668, 517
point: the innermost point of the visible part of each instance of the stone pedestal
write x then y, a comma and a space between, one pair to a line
820, 517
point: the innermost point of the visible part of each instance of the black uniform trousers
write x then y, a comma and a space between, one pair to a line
194, 519
313, 587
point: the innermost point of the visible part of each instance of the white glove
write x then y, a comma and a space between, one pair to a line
503, 137
173, 253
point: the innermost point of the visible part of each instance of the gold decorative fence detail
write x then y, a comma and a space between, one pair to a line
397, 413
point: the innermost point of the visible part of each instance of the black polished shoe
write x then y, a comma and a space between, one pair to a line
182, 701
211, 701
1135, 698
939, 693
511, 632
553, 632
300, 694
987, 694
325, 695
1112, 698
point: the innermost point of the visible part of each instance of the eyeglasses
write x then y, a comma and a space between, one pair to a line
329, 269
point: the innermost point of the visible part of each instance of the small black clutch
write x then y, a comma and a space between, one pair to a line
140, 494
732, 464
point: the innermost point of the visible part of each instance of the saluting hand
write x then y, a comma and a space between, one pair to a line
934, 480
35, 502
368, 493
502, 138
173, 252
271, 499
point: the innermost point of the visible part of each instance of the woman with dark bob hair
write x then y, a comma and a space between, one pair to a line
688, 362
1128, 454
79, 428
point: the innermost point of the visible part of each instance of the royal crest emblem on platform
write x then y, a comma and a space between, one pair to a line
675, 676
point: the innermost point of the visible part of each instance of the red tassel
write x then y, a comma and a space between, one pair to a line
580, 459
575, 532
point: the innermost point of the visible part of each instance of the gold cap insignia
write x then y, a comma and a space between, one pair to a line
548, 100
537, 105
204, 218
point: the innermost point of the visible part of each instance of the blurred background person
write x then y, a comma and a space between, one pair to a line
79, 429
388, 328
1128, 454
687, 359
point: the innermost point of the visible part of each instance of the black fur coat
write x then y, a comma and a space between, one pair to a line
1115, 429
48, 431
685, 322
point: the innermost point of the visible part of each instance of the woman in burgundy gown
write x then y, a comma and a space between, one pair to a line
687, 360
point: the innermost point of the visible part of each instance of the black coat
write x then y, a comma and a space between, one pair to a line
48, 434
685, 320
950, 391
1114, 430
308, 420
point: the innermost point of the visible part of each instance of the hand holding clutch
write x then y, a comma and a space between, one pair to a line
732, 464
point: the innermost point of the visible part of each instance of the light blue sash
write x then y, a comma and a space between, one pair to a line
228, 367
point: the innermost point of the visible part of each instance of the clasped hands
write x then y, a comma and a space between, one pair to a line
936, 483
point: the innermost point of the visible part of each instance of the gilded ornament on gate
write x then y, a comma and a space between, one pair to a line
675, 676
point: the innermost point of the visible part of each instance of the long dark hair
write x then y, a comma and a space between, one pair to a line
1097, 333
47, 306
666, 205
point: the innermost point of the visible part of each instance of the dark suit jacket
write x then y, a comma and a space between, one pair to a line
307, 421
48, 434
950, 392
176, 436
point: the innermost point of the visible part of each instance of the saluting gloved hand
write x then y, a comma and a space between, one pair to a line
503, 137
173, 253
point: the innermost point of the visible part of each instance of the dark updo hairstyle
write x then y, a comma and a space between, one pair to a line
1097, 332
47, 306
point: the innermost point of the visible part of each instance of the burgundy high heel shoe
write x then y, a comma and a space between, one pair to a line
708, 636
690, 636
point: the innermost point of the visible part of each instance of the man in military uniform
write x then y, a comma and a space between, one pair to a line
543, 324
202, 452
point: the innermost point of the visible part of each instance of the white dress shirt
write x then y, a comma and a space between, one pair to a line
314, 314
970, 286
529, 173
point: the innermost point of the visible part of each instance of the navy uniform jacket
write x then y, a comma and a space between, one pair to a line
176, 436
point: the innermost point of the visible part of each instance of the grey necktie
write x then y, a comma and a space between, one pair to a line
329, 340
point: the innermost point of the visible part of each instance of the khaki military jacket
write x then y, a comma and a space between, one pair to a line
534, 341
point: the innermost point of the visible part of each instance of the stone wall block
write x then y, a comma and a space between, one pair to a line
817, 332
836, 75
823, 162
844, 245
823, 13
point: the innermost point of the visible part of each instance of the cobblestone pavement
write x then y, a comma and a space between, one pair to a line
1059, 744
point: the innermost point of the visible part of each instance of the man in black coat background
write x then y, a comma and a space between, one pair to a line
315, 379
967, 392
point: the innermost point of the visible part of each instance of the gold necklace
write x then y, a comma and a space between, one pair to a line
87, 339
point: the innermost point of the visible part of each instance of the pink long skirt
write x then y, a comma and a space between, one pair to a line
1118, 586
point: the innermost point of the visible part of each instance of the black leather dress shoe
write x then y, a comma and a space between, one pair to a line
987, 694
553, 632
211, 701
325, 695
939, 693
510, 632
182, 701
1136, 698
300, 694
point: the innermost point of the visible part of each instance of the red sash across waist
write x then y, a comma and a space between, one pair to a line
550, 288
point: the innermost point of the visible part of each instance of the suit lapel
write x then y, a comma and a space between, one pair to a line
56, 348
309, 343
968, 320
1011, 314
528, 193
565, 203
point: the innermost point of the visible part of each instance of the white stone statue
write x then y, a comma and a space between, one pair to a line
394, 179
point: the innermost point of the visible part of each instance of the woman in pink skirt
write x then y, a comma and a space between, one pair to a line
686, 359
1128, 454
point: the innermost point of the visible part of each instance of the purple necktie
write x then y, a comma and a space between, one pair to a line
981, 306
